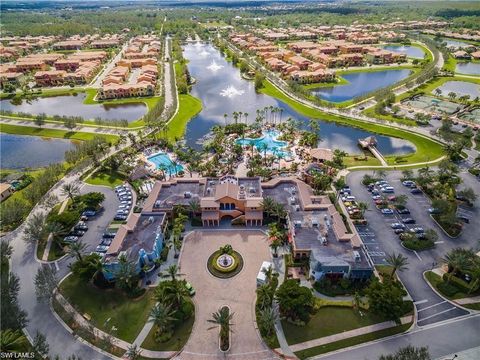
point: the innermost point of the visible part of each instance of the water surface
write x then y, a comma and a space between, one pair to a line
23, 151
469, 68
411, 51
69, 105
460, 88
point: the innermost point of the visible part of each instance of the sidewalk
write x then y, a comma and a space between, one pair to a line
347, 334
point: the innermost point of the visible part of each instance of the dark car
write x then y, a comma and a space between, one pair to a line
408, 221
403, 211
89, 213
108, 235
416, 191
464, 218
77, 233
399, 231
120, 217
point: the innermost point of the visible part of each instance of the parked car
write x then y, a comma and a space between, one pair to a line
381, 202
408, 183
381, 183
408, 221
81, 226
417, 230
190, 288
120, 217
106, 242
84, 218
397, 226
464, 218
392, 198
348, 198
387, 211
70, 238
126, 198
89, 213
122, 212
416, 191
120, 188
403, 211
376, 197
126, 202
78, 233
433, 211
399, 231
101, 248
345, 190
388, 190
109, 235
370, 187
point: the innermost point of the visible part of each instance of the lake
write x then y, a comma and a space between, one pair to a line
22, 151
411, 51
469, 68
460, 88
69, 105
223, 91
360, 83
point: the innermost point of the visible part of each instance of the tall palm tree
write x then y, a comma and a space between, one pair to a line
56, 230
162, 316
133, 352
398, 262
173, 272
71, 190
13, 341
194, 207
268, 205
363, 206
264, 296
222, 318
266, 320
77, 249
458, 260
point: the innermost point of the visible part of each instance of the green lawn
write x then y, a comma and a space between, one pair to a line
53, 133
189, 106
322, 349
426, 149
177, 342
450, 64
435, 280
127, 315
388, 117
474, 306
350, 161
106, 178
327, 321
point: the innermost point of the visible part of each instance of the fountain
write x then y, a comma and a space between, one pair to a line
214, 67
231, 92
225, 261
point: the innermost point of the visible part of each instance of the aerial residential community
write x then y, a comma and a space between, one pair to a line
242, 180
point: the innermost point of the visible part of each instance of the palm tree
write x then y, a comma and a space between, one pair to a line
13, 341
173, 272
438, 91
266, 320
77, 249
194, 207
71, 190
268, 273
401, 201
225, 116
222, 318
56, 230
275, 244
452, 95
458, 260
133, 352
268, 205
162, 317
363, 206
264, 296
397, 262
126, 277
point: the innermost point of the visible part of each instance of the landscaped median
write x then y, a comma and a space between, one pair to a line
426, 149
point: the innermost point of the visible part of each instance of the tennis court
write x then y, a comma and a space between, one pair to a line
431, 104
472, 115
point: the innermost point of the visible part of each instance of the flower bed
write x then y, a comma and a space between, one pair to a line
225, 272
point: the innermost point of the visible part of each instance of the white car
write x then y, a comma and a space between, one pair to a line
124, 206
348, 198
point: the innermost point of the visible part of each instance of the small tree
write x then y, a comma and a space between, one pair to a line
296, 302
386, 299
133, 352
398, 262
45, 283
40, 345
408, 353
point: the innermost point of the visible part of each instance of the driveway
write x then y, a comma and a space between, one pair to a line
212, 293
381, 240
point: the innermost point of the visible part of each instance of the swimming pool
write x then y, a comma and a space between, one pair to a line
267, 143
163, 161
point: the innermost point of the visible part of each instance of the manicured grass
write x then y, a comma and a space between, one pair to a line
327, 321
189, 106
474, 306
426, 149
127, 315
450, 64
370, 161
177, 342
388, 117
435, 280
352, 341
110, 178
53, 133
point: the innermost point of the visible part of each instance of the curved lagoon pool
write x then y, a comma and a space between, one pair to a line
411, 51
23, 151
70, 105
360, 83
163, 162
222, 91
268, 143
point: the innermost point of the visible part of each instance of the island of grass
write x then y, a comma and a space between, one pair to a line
427, 150
107, 177
188, 107
108, 308
225, 262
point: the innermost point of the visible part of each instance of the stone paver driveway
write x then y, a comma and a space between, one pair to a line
212, 293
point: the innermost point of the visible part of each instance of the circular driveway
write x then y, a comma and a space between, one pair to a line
237, 292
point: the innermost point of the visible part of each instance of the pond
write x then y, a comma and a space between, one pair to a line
360, 83
223, 91
454, 43
22, 151
460, 88
411, 51
69, 105
469, 68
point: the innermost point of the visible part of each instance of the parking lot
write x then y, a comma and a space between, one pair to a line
380, 240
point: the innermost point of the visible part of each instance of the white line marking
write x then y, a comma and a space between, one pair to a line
439, 242
56, 266
421, 302
429, 307
418, 256
441, 312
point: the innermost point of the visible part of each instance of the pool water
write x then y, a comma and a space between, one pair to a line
163, 161
267, 142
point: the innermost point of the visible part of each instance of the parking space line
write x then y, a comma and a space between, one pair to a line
418, 256
429, 307
441, 312
439, 242
56, 266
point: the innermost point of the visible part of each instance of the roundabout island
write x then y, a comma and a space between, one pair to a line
225, 262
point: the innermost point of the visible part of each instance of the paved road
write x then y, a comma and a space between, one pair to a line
441, 339
381, 240
98, 81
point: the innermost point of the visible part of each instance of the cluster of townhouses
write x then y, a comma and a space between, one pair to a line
30, 56
310, 61
136, 73
316, 231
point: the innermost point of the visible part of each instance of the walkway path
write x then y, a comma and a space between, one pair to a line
469, 300
348, 334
